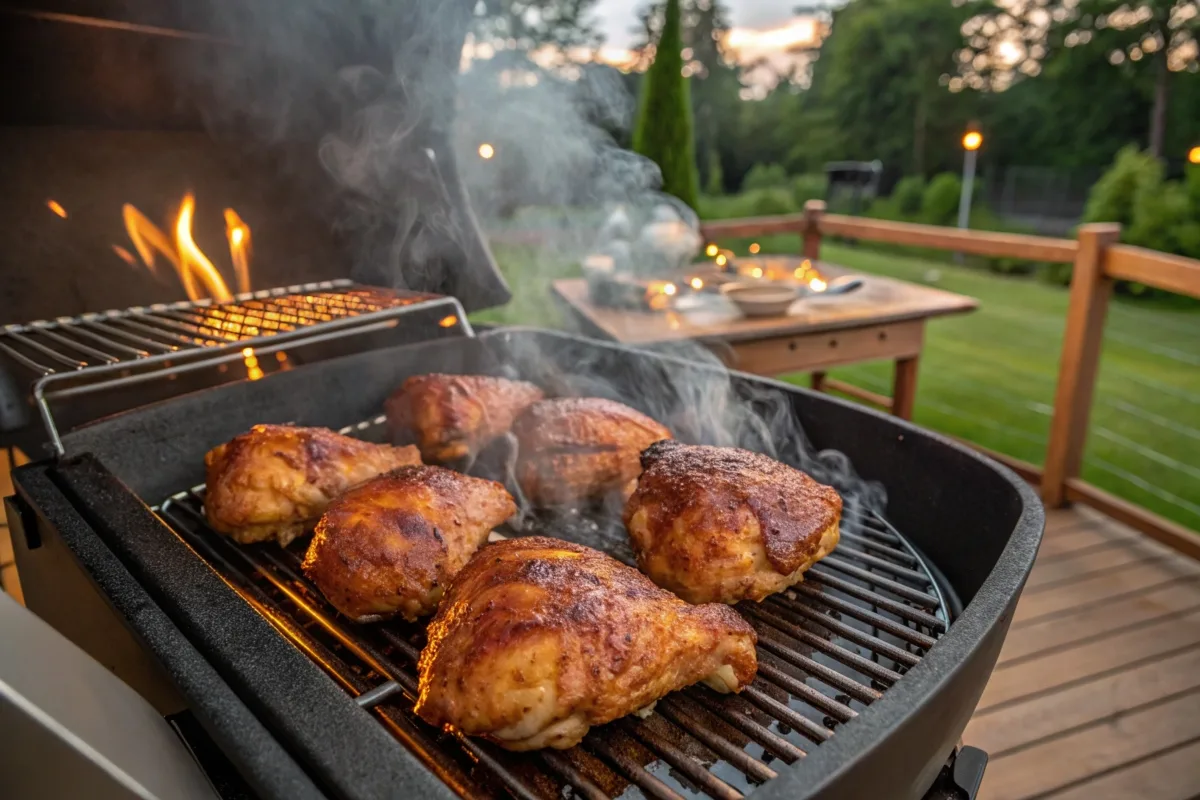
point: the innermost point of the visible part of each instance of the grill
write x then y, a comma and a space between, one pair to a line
869, 669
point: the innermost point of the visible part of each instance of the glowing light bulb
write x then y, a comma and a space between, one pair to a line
486, 151
697, 284
711, 250
754, 248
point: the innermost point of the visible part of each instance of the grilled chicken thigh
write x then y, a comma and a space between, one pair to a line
539, 639
720, 525
454, 416
391, 546
275, 481
580, 448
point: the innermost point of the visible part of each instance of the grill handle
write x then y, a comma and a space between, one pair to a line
961, 777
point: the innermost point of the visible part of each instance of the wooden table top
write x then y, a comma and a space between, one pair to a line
715, 318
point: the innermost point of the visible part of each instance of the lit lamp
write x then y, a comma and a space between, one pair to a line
972, 140
486, 151
1194, 155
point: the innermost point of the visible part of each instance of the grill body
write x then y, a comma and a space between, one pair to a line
283, 722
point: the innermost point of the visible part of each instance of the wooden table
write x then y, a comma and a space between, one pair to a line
885, 319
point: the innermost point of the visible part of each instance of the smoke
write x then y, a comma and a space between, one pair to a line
377, 109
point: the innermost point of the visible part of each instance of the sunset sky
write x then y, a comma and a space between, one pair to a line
617, 17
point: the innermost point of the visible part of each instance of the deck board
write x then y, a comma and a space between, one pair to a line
1097, 691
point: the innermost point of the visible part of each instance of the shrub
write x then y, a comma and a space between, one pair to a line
909, 195
767, 202
764, 176
939, 203
760, 203
810, 186
1113, 198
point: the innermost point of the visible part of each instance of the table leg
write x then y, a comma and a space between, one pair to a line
818, 381
904, 387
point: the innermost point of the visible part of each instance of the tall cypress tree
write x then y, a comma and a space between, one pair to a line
664, 126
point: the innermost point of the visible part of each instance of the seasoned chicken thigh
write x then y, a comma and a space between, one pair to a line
720, 525
539, 639
392, 545
275, 481
454, 416
580, 448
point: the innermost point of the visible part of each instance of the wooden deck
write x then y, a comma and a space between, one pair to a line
1097, 692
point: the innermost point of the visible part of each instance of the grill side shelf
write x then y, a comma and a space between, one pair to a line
318, 723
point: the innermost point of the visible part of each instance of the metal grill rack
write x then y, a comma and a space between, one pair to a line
77, 355
827, 649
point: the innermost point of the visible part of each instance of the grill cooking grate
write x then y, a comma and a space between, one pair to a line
827, 649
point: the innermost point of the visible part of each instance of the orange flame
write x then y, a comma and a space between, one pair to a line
57, 208
193, 262
238, 233
196, 272
253, 371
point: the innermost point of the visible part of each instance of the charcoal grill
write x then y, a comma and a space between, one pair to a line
869, 669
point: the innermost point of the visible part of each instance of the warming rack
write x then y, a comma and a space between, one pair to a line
73, 356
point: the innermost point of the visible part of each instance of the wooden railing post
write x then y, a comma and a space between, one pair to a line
1082, 339
813, 209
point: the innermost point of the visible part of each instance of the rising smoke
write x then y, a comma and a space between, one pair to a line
371, 106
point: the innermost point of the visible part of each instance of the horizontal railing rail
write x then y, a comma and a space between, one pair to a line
1098, 261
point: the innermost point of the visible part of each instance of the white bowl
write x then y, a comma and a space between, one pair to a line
761, 299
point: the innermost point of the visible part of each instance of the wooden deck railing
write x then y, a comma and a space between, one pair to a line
1098, 261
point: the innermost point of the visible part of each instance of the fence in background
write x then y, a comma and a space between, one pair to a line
1098, 260
1043, 199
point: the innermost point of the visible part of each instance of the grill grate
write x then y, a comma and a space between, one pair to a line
113, 337
827, 649
73, 356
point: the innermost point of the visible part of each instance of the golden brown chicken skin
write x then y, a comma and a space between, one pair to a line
538, 639
720, 524
580, 448
454, 416
275, 481
391, 546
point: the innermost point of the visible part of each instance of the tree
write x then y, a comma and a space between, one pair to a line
714, 80
525, 26
881, 74
1145, 39
663, 131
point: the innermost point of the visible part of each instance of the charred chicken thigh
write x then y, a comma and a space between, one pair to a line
275, 481
538, 639
580, 448
720, 524
454, 416
392, 545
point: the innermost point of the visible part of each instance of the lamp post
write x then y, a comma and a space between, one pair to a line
972, 140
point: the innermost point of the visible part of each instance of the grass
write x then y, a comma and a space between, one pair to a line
990, 376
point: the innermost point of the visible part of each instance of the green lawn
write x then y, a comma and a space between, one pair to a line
989, 376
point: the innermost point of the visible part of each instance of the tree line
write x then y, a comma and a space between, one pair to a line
1062, 83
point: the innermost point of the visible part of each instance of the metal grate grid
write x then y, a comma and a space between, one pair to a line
112, 337
827, 649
